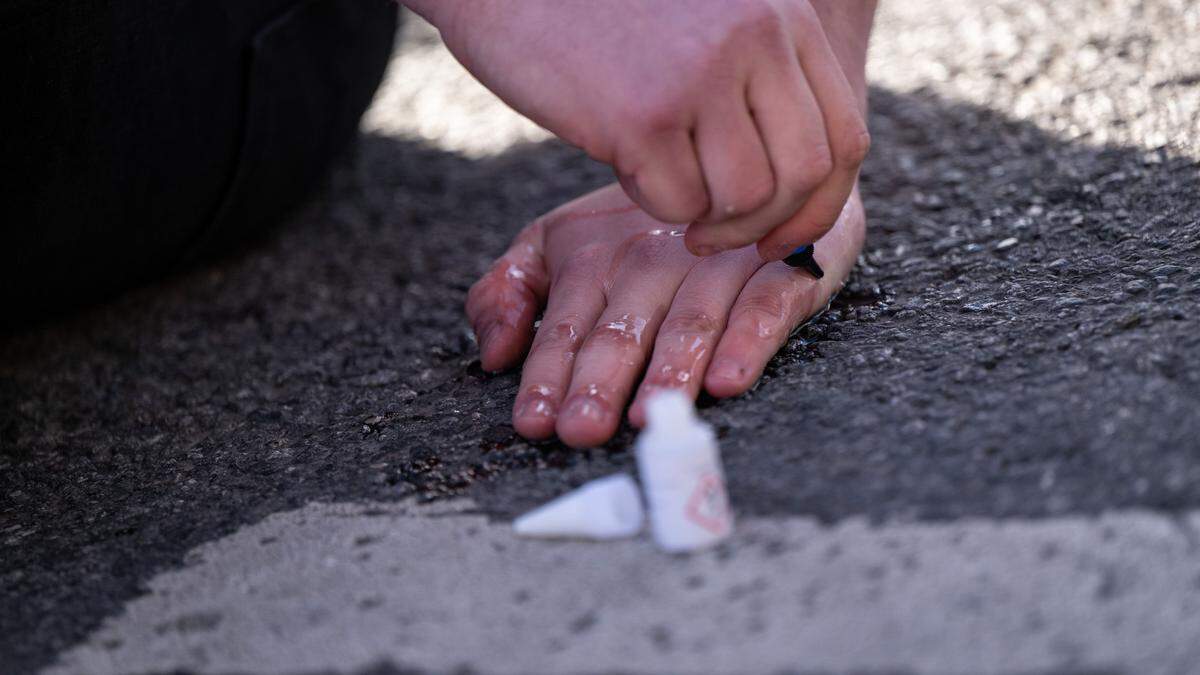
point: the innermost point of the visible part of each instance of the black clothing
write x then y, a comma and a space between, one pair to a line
137, 134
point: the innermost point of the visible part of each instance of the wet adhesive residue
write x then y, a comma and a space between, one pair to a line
512, 303
650, 249
683, 359
591, 403
627, 327
539, 400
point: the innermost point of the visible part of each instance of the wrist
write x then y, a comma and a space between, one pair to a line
848, 25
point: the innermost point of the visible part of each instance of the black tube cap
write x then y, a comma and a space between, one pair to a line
802, 258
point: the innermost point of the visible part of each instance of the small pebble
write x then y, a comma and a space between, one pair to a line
978, 306
1069, 301
1130, 321
1006, 244
1136, 286
943, 245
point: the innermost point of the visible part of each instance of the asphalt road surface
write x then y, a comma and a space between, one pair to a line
984, 458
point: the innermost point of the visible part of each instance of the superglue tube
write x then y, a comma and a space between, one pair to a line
680, 467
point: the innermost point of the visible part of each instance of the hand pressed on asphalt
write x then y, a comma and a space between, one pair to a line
736, 117
622, 296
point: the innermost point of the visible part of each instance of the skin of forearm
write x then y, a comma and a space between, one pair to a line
840, 17
849, 18
677, 96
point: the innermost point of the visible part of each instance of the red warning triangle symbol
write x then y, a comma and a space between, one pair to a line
708, 506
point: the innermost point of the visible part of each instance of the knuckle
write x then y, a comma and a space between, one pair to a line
599, 149
596, 146
623, 334
759, 194
645, 252
762, 311
820, 162
532, 234
520, 283
692, 205
563, 335
479, 293
544, 223
476, 290
680, 201
750, 196
652, 115
691, 322
610, 338
812, 171
789, 192
628, 163
853, 146
583, 261
506, 278
758, 21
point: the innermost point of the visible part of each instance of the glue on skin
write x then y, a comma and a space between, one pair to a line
680, 467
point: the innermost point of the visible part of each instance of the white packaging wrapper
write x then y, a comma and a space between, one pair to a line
680, 467
606, 508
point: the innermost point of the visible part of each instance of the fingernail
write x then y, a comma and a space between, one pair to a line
727, 369
536, 402
535, 408
587, 407
778, 252
637, 411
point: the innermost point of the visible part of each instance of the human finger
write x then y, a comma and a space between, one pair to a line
792, 131
846, 132
737, 171
647, 271
693, 325
773, 302
661, 173
503, 303
576, 300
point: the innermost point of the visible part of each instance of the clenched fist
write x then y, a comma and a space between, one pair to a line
735, 116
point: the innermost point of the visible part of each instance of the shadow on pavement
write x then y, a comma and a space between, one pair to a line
1018, 340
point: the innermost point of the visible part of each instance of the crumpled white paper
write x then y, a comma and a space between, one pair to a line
607, 508
684, 487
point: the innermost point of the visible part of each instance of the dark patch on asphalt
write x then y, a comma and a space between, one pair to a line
1019, 340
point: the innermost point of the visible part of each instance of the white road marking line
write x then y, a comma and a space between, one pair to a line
342, 586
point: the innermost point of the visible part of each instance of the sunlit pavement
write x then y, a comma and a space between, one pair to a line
983, 459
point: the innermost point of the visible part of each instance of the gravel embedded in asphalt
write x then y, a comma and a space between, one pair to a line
957, 375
